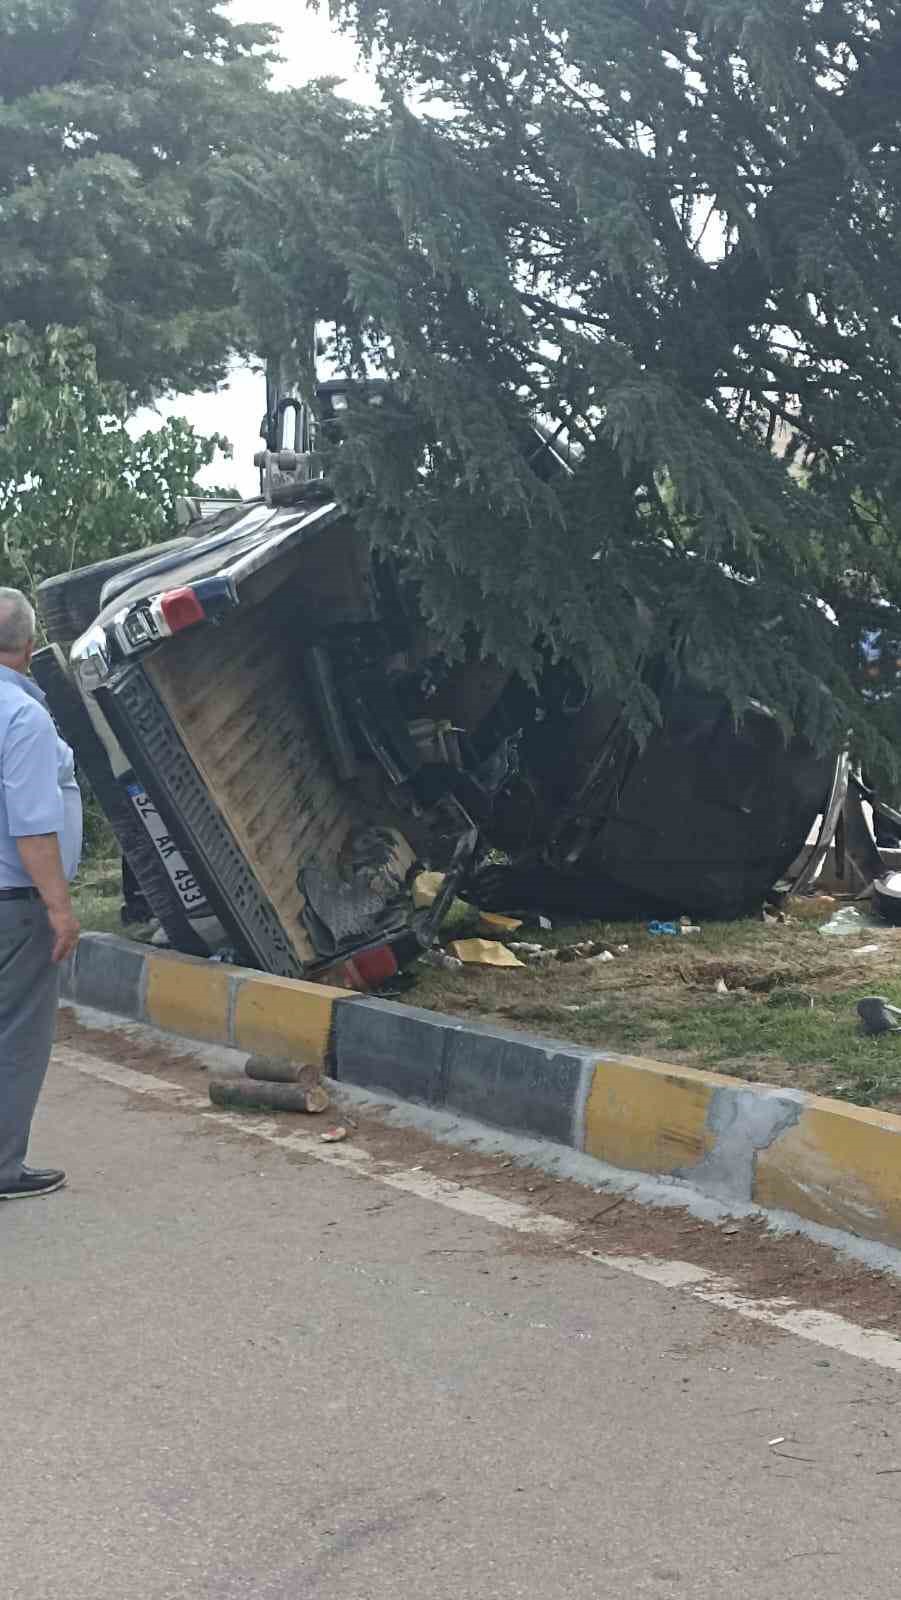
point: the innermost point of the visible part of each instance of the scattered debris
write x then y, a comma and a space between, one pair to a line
545, 924
813, 905
878, 1016
441, 959
669, 930
480, 1172
426, 889
573, 952
721, 987
484, 953
333, 1135
620, 1200
535, 955
605, 955
848, 920
587, 951
495, 926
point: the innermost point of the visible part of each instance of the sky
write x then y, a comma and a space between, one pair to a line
311, 49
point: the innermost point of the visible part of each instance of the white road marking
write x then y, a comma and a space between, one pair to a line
125, 1078
671, 1274
819, 1327
477, 1203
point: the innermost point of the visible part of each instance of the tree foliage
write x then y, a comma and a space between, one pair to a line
111, 119
668, 228
75, 485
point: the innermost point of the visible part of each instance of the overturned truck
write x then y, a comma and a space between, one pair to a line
281, 749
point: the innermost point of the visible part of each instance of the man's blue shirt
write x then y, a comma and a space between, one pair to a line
38, 790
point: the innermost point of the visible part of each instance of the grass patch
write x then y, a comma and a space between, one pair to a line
97, 895
97, 898
738, 1033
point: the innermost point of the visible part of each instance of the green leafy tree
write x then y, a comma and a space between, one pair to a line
111, 119
75, 485
670, 231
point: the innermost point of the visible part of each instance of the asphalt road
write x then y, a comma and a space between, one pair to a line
234, 1374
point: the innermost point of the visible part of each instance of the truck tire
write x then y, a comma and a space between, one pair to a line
68, 604
76, 727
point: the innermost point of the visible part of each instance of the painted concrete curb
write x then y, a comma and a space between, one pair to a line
204, 1000
781, 1149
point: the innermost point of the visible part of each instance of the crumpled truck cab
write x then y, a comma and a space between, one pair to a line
256, 684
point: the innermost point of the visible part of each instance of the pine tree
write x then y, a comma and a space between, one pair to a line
668, 229
111, 118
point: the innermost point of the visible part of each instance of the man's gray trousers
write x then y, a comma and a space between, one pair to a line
29, 993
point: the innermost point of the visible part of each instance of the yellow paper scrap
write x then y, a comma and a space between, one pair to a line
484, 953
493, 923
427, 888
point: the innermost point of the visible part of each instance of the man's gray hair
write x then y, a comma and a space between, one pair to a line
16, 621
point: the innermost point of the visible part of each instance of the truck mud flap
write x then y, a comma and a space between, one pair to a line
128, 809
163, 766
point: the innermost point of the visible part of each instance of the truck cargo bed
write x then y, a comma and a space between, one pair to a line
238, 699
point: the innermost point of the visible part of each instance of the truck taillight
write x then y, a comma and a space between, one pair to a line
181, 609
376, 966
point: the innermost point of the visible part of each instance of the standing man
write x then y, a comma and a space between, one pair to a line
40, 846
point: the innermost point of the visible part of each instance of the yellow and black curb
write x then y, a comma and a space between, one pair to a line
826, 1162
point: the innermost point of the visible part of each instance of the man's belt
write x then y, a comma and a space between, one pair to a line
19, 894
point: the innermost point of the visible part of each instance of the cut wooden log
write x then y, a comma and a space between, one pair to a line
317, 1100
245, 1094
275, 1069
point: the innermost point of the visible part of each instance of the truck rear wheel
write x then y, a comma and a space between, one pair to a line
69, 603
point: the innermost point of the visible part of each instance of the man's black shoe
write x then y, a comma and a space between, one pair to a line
31, 1181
